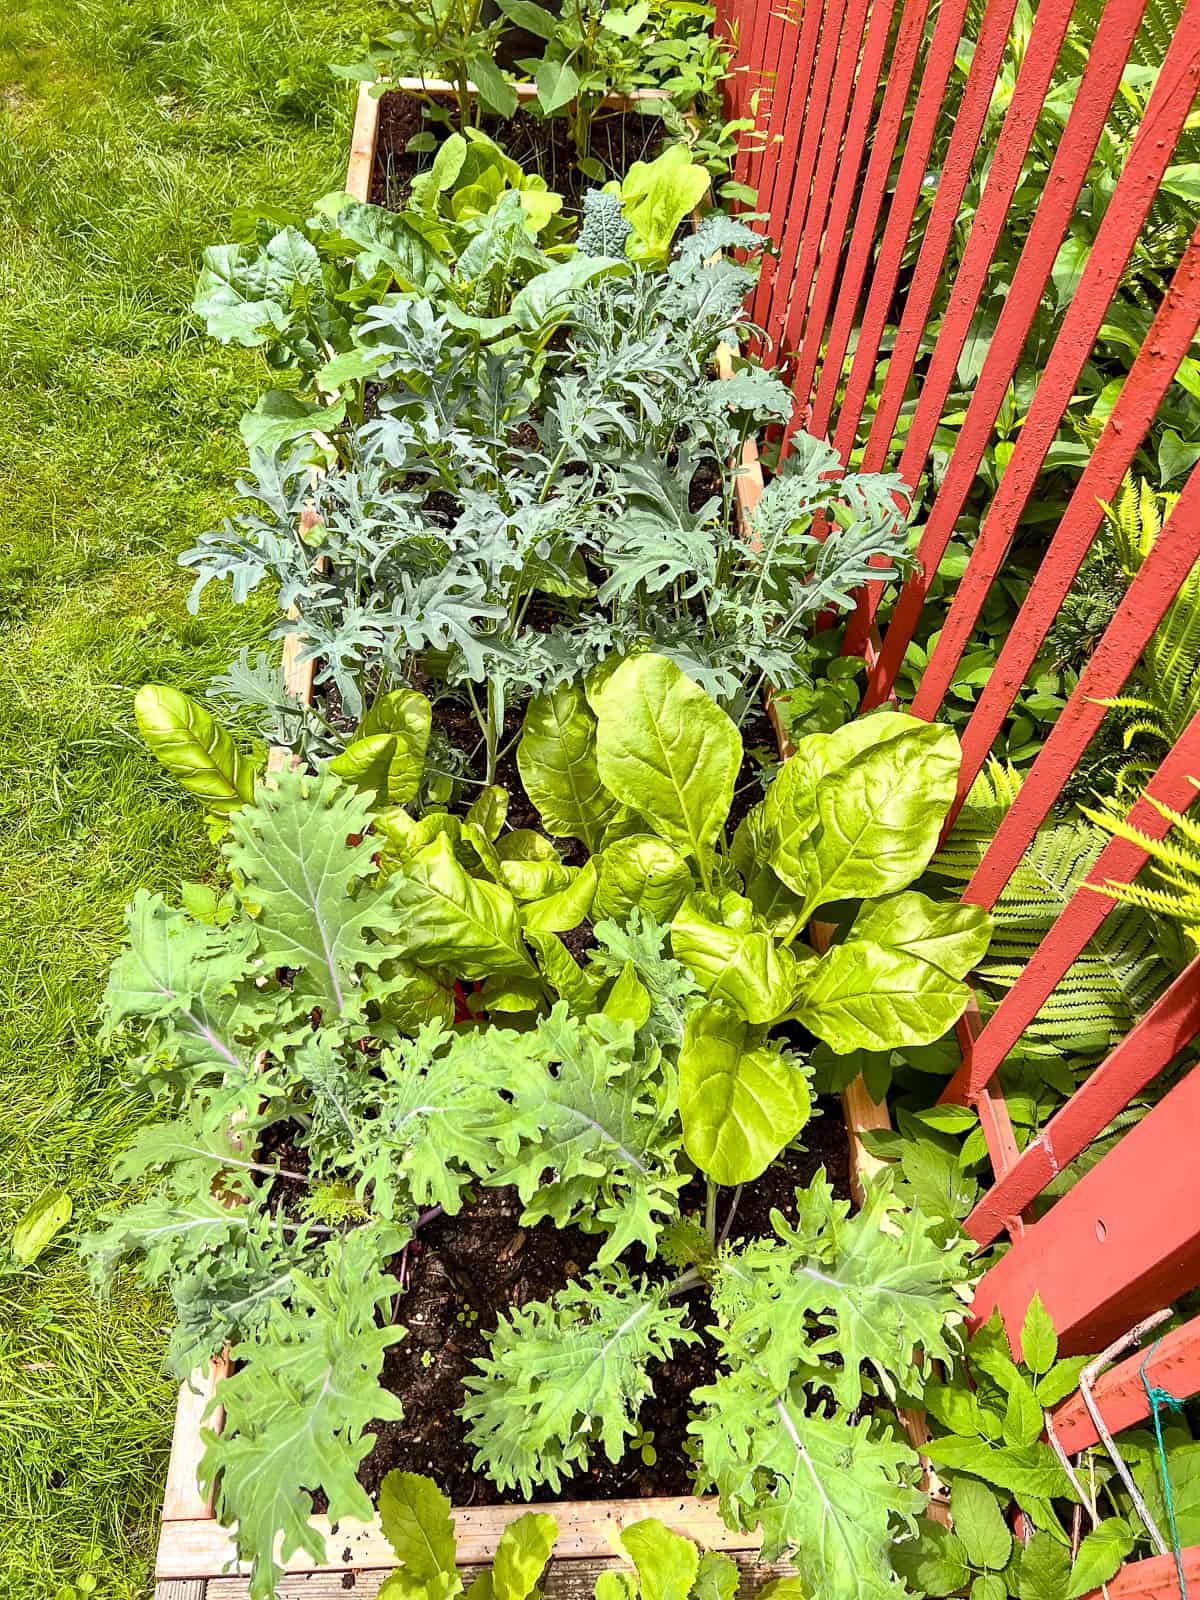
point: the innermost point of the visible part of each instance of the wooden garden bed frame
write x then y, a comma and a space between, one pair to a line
197, 1555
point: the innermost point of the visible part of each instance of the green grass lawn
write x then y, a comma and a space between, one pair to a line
129, 130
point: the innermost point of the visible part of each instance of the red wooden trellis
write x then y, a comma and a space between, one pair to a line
851, 96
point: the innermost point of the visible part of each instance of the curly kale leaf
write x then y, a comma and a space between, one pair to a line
597, 1126
298, 1406
878, 1288
673, 991
823, 1488
299, 870
567, 1375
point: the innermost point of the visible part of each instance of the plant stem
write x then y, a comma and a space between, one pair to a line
689, 1280
733, 1205
710, 1213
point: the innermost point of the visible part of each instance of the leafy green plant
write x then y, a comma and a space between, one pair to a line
989, 1417
874, 1296
441, 39
416, 1520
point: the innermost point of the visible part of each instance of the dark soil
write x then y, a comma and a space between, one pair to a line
465, 1271
618, 139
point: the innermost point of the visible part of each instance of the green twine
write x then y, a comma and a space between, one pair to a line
1163, 1400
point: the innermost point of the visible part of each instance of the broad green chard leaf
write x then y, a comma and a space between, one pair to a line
954, 938
449, 919
865, 996
194, 748
556, 757
530, 865
560, 912
732, 958
739, 1104
880, 817
668, 752
641, 871
406, 716
560, 970
656, 196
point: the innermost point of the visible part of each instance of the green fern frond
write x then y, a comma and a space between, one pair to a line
1120, 971
1174, 863
1168, 677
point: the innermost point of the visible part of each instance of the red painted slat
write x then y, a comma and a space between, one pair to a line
885, 136
1153, 1579
806, 331
1049, 30
792, 113
805, 234
778, 57
1120, 1394
1106, 60
1147, 598
1124, 1241
752, 82
1170, 1024
794, 192
935, 74
1132, 198
1004, 173
1153, 370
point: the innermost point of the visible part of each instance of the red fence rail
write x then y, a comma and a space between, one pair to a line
854, 102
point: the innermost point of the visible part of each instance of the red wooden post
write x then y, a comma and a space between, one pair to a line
935, 74
1136, 190
806, 324
1154, 1579
1122, 1242
790, 98
952, 181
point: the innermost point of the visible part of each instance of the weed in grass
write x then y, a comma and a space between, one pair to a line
129, 130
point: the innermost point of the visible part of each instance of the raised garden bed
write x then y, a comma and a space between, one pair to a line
195, 1550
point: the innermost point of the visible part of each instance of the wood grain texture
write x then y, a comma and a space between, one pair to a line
183, 1589
182, 1499
585, 1531
565, 1580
